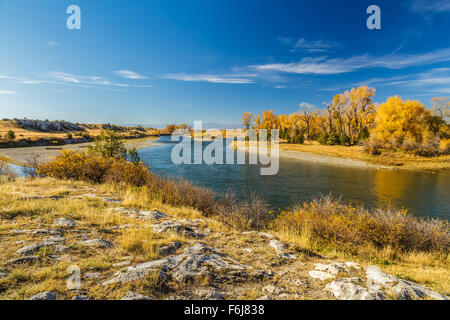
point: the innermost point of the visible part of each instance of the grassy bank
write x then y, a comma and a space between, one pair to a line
409, 248
395, 160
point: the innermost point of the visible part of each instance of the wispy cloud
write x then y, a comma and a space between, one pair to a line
325, 65
130, 74
315, 45
52, 44
310, 46
429, 6
90, 80
21, 80
9, 92
214, 78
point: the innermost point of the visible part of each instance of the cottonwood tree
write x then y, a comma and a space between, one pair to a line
247, 120
307, 112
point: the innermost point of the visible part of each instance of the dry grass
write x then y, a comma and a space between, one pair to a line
93, 130
399, 160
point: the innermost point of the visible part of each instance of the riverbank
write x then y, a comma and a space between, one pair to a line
129, 245
355, 156
20, 156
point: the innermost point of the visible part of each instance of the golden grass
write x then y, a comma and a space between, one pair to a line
93, 130
398, 160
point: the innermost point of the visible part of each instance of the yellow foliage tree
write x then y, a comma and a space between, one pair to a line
400, 121
247, 119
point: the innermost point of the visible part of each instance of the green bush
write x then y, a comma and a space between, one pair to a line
109, 144
10, 135
344, 139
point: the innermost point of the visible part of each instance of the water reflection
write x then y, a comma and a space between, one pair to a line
423, 194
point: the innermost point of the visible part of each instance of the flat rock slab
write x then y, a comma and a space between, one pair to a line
280, 249
81, 297
197, 260
52, 241
321, 275
23, 260
131, 295
64, 222
47, 295
180, 228
208, 294
154, 215
402, 289
98, 243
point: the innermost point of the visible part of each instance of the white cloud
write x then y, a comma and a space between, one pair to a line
427, 6
130, 74
214, 78
315, 45
22, 80
52, 44
90, 80
325, 65
7, 92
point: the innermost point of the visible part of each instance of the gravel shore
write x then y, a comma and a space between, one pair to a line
21, 155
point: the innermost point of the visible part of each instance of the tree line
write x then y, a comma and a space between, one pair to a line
353, 118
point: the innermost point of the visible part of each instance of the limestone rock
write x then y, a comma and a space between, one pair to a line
3, 275
402, 289
66, 223
271, 289
180, 228
321, 275
154, 215
81, 297
351, 289
92, 275
195, 261
23, 260
208, 294
96, 243
280, 249
47, 295
52, 241
121, 264
131, 295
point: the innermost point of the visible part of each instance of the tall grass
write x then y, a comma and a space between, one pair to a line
328, 221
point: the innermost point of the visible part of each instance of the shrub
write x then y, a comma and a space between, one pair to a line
322, 138
250, 213
109, 144
10, 135
344, 139
333, 139
133, 156
298, 139
330, 221
444, 146
373, 145
69, 135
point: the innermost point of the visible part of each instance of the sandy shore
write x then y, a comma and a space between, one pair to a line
21, 155
310, 157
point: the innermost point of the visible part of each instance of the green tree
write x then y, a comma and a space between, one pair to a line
109, 144
10, 135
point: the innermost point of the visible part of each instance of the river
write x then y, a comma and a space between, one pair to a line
423, 194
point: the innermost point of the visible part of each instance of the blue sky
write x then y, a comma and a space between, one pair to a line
156, 62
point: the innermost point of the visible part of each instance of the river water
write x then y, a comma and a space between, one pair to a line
423, 194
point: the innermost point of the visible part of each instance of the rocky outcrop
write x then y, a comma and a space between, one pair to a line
46, 125
280, 249
47, 295
197, 260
